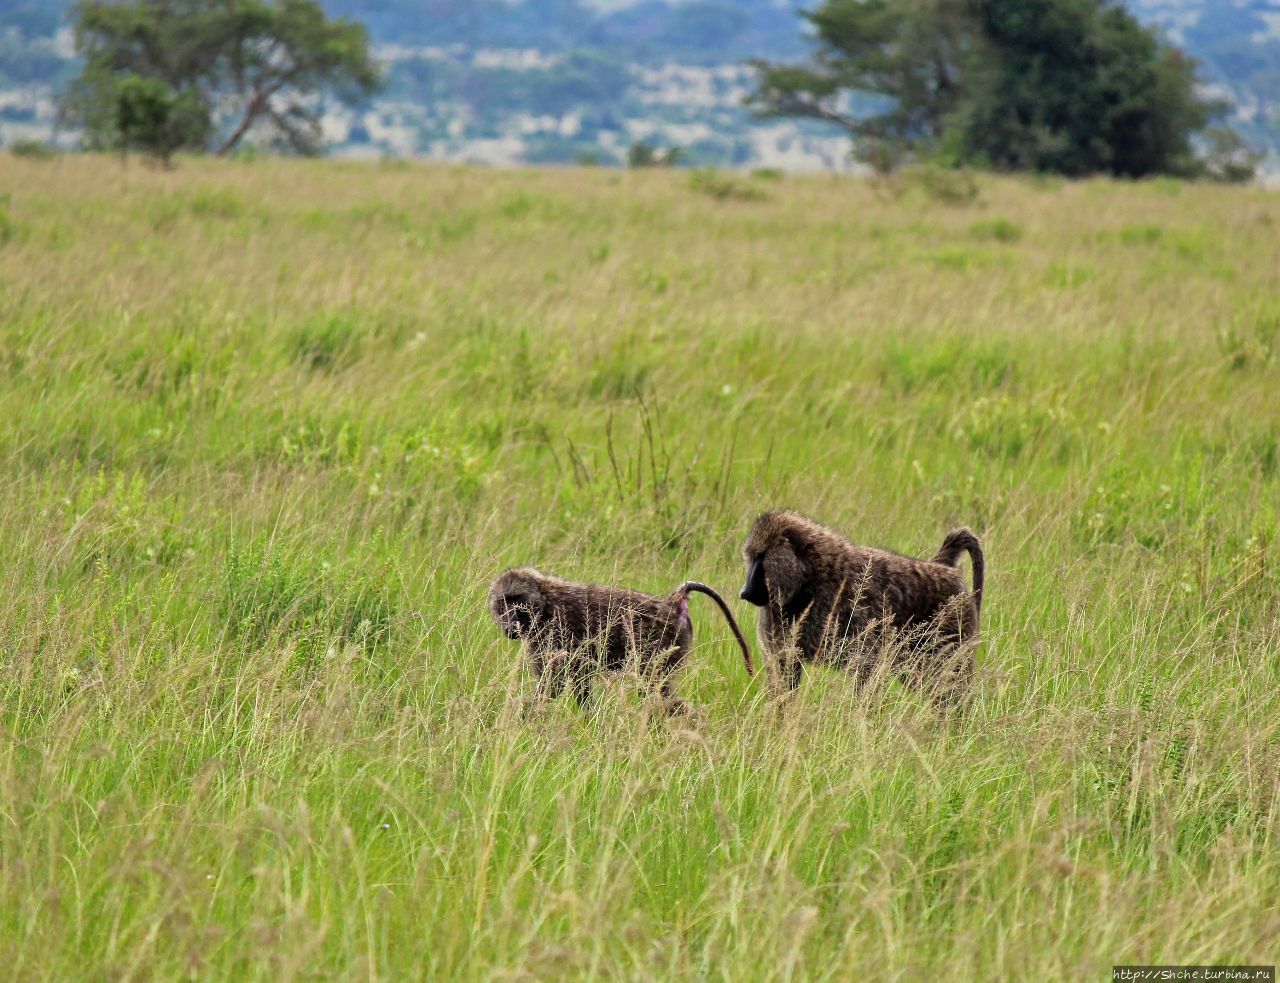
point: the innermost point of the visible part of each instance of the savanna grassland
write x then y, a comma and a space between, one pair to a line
270, 429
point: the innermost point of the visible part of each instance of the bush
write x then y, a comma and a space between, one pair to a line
946, 185
1228, 159
267, 594
33, 150
156, 120
722, 187
641, 154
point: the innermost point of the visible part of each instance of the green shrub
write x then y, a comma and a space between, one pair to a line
722, 187
270, 592
33, 150
945, 185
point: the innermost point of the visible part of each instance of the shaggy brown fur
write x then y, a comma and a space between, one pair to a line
823, 599
572, 632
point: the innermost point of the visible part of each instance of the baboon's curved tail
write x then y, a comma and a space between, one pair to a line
959, 541
693, 586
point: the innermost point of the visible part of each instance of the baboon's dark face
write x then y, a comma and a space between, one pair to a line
755, 591
516, 603
516, 617
775, 570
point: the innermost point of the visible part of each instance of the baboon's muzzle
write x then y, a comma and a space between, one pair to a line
754, 590
517, 622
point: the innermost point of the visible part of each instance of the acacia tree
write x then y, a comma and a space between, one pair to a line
888, 72
279, 55
1068, 86
250, 65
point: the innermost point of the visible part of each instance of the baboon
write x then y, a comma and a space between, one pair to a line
573, 632
824, 600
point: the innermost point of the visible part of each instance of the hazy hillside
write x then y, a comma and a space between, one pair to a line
1238, 44
705, 31
559, 80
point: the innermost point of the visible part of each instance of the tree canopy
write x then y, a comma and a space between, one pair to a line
155, 69
1072, 87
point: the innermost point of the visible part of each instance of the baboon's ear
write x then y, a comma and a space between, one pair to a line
784, 571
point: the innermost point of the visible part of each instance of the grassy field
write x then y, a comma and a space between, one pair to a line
271, 428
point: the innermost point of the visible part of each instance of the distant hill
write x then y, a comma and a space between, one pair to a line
1237, 43
559, 80
700, 31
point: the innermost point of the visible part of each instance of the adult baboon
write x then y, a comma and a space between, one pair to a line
572, 632
823, 599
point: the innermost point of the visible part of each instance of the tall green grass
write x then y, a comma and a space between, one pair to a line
270, 429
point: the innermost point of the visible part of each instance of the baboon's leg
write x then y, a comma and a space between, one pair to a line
863, 654
669, 661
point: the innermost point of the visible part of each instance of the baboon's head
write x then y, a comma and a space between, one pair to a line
776, 568
516, 601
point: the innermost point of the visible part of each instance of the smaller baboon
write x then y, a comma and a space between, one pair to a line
574, 632
824, 600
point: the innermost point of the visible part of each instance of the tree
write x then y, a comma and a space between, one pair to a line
1066, 86
1227, 158
889, 72
246, 64
164, 42
281, 54
1079, 87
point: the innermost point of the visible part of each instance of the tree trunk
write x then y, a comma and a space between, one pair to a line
257, 106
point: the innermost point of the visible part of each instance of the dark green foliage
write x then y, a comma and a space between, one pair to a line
1071, 87
154, 119
241, 65
642, 154
32, 150
1078, 87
